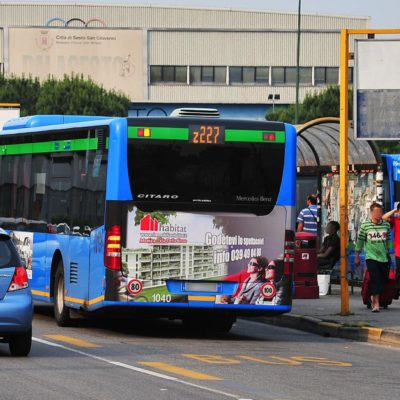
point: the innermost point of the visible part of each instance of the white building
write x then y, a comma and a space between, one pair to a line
183, 261
234, 59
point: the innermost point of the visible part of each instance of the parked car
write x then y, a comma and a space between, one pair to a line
16, 307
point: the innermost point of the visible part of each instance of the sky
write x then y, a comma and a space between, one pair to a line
383, 13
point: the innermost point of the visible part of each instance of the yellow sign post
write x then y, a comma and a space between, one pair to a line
343, 160
344, 163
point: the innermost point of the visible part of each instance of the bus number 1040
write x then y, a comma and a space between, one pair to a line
161, 298
206, 134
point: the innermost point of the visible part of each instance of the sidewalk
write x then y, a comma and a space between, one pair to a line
322, 316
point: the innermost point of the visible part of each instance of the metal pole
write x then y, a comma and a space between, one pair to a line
344, 124
296, 117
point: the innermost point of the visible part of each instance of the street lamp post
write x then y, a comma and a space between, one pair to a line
296, 117
272, 97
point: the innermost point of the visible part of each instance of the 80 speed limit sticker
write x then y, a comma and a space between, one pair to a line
135, 286
268, 290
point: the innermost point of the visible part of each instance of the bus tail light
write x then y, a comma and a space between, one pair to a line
19, 279
288, 260
112, 249
144, 132
269, 136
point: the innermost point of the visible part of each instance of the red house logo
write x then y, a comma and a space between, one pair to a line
148, 224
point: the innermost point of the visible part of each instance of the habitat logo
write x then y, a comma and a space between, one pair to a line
152, 231
147, 223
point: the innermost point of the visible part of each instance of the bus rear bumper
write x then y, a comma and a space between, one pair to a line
172, 309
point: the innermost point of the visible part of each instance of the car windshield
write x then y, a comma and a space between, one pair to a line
8, 254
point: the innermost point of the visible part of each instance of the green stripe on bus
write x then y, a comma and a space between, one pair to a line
236, 135
231, 135
169, 133
56, 146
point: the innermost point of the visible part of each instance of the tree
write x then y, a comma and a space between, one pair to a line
72, 95
75, 95
22, 90
324, 104
315, 105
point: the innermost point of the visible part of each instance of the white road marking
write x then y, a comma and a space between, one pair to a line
136, 369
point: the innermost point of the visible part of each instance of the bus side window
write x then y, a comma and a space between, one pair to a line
15, 183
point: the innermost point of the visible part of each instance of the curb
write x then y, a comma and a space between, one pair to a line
333, 329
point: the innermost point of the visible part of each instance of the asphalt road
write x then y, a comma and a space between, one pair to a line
148, 360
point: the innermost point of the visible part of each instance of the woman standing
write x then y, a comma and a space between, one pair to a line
374, 236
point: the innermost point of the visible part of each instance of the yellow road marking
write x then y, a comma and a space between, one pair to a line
180, 371
71, 340
322, 361
279, 360
211, 359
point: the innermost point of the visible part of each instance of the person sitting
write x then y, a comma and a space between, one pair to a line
329, 254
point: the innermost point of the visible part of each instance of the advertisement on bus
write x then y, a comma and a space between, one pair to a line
165, 246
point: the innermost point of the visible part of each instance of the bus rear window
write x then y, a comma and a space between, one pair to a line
179, 175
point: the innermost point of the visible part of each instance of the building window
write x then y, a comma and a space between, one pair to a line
262, 75
326, 75
278, 76
248, 75
306, 76
351, 75
208, 74
287, 76
168, 74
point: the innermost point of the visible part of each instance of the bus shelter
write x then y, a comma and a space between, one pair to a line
318, 172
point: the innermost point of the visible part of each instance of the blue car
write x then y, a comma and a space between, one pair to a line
16, 307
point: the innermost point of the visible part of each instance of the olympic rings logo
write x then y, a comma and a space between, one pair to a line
81, 21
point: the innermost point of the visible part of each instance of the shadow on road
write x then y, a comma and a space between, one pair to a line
137, 325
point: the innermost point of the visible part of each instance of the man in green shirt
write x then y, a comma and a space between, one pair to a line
374, 236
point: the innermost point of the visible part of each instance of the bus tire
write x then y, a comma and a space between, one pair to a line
61, 311
20, 344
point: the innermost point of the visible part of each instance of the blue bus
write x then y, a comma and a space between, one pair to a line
391, 169
188, 217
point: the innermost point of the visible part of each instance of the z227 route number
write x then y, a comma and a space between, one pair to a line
206, 134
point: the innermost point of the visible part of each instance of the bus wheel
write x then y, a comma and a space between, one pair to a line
61, 311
